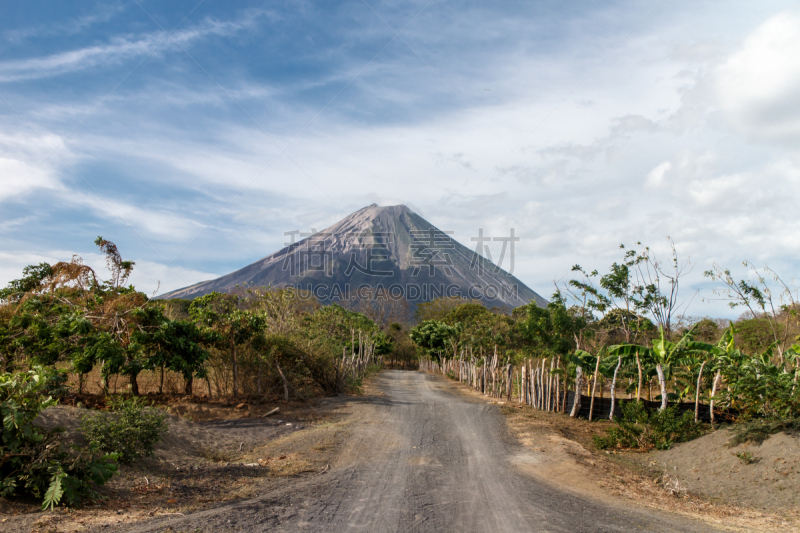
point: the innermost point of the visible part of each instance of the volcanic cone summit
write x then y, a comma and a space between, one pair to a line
389, 249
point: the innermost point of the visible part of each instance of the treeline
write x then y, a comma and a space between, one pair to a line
256, 342
621, 334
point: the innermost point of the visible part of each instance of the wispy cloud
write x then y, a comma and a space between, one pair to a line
101, 13
117, 50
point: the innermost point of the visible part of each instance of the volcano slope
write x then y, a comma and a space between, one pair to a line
423, 457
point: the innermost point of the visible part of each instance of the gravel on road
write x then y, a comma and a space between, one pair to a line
421, 457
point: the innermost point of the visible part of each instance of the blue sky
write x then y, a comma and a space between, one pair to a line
194, 134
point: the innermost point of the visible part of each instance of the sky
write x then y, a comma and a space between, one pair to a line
194, 134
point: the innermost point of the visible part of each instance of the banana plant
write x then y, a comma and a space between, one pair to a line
723, 355
610, 367
664, 353
581, 359
792, 355
764, 389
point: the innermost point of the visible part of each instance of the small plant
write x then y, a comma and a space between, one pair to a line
643, 429
131, 429
746, 457
35, 461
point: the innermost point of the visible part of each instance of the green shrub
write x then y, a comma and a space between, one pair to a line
34, 461
643, 429
130, 429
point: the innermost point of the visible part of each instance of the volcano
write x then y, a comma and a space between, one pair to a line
383, 250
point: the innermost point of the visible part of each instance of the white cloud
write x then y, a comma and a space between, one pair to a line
24, 162
758, 85
655, 178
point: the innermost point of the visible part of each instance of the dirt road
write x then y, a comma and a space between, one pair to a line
423, 457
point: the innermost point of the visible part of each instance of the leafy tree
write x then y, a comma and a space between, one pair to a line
176, 345
774, 301
479, 327
434, 337
32, 278
438, 308
549, 331
220, 313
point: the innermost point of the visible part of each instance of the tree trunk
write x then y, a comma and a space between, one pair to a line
235, 370
208, 382
576, 405
187, 385
639, 386
663, 383
260, 364
161, 383
594, 387
134, 385
285, 384
558, 384
103, 379
697, 395
714, 395
614, 388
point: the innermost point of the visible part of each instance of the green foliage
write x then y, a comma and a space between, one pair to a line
176, 345
621, 319
758, 387
64, 315
35, 461
354, 384
435, 337
640, 428
438, 308
747, 457
758, 431
707, 330
551, 330
54, 492
130, 429
465, 313
32, 278
755, 335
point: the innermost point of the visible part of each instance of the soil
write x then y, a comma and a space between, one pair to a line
765, 476
214, 453
415, 452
